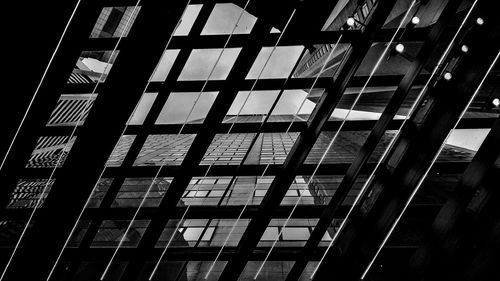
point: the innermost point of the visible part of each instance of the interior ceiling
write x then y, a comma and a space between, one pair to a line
282, 144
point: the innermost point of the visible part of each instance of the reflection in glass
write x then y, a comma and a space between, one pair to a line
50, 152
179, 107
201, 62
164, 65
111, 232
280, 62
188, 20
224, 17
115, 22
164, 150
71, 110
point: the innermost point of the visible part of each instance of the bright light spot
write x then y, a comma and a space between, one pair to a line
480, 21
496, 102
415, 20
464, 48
400, 48
447, 76
350, 21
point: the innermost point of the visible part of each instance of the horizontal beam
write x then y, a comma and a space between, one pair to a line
247, 84
229, 170
270, 127
200, 254
269, 40
213, 212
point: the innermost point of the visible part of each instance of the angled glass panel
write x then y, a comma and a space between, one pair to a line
186, 107
294, 234
299, 191
78, 234
92, 67
111, 232
275, 64
201, 62
188, 234
115, 22
93, 271
166, 271
164, 150
463, 144
324, 60
100, 191
71, 109
224, 17
133, 190
164, 65
295, 105
272, 270
10, 231
308, 271
50, 151
274, 147
251, 106
247, 190
205, 191
28, 192
142, 109
121, 149
222, 227
196, 270
188, 20
227, 149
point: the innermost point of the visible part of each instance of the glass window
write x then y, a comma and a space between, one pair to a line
142, 109
296, 233
188, 107
201, 62
115, 22
188, 20
270, 234
275, 64
164, 65
224, 17
260, 193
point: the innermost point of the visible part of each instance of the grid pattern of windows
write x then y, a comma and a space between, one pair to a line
164, 150
112, 22
276, 146
227, 149
217, 187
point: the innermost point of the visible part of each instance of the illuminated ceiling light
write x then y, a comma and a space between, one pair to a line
400, 48
350, 21
447, 76
415, 20
464, 48
496, 102
480, 21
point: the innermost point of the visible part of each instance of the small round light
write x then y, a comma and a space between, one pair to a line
415, 20
400, 48
480, 21
447, 76
350, 21
464, 48
496, 102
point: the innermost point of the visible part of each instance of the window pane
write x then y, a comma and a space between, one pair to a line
224, 17
201, 62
